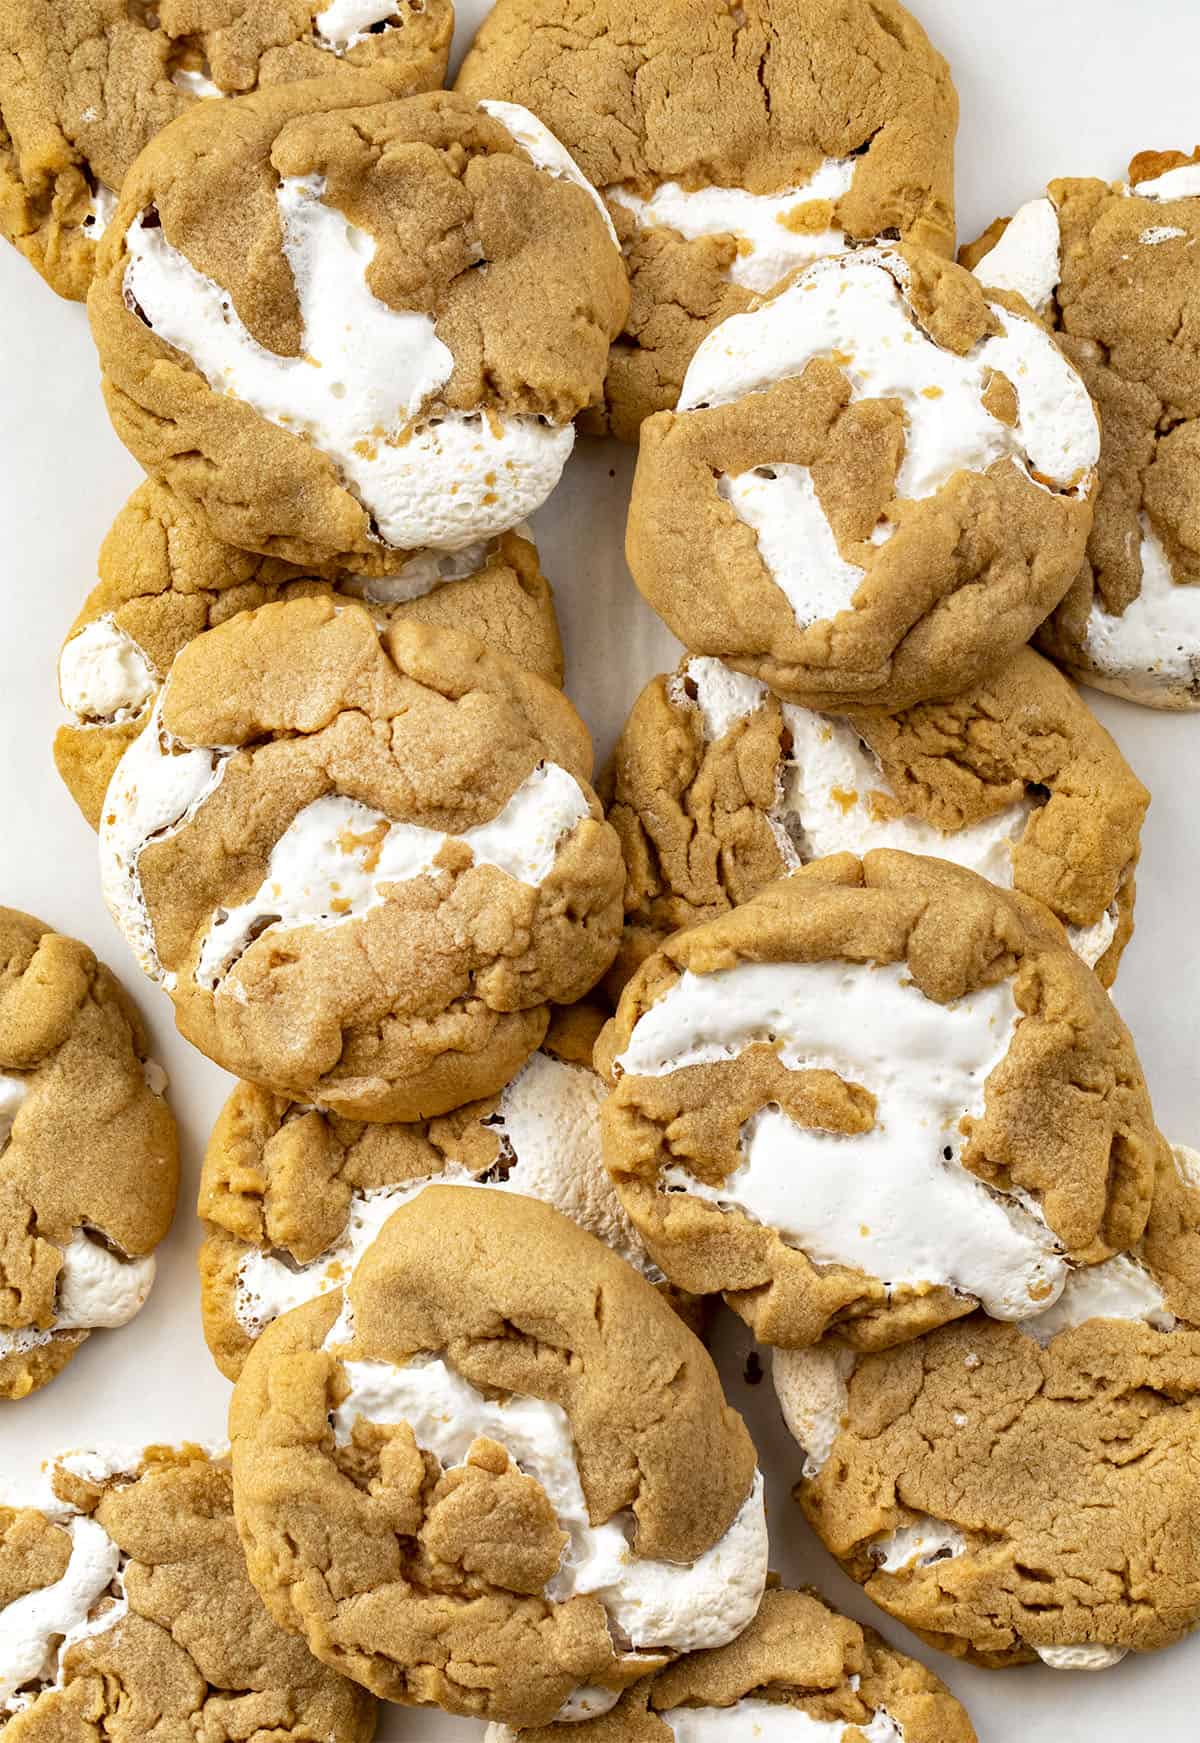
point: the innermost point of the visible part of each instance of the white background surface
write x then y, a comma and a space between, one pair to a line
1048, 87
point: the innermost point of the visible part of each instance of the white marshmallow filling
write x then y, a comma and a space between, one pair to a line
651, 1605
97, 1289
750, 1720
826, 782
548, 1125
104, 677
358, 389
894, 1202
40, 1628
855, 310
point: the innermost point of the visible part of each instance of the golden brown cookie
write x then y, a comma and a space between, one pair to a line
497, 1472
798, 1663
345, 326
362, 862
731, 145
878, 1095
89, 1161
1032, 1489
85, 84
877, 484
291, 1198
164, 579
125, 1613
717, 789
1114, 271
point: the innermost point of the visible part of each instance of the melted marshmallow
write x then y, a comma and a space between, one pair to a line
39, 1629
813, 1392
751, 1720
918, 1545
1085, 1657
650, 1604
419, 576
1119, 1288
894, 1202
1180, 183
1154, 644
825, 790
343, 24
548, 1124
103, 675
156, 789
770, 245
104, 204
545, 152
13, 1091
1161, 233
194, 83
337, 858
1028, 257
364, 373
96, 1290
795, 540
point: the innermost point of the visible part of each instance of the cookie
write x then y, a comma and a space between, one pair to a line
799, 1671
85, 84
497, 1473
125, 1613
876, 486
731, 145
363, 862
291, 1198
89, 1161
1012, 1491
1113, 271
164, 579
878, 1095
345, 326
717, 789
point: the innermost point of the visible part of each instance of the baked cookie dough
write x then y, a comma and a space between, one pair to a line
85, 84
362, 862
345, 326
800, 1671
878, 1095
878, 483
497, 1473
89, 1162
731, 144
1012, 1491
717, 789
125, 1613
164, 579
291, 1198
1114, 271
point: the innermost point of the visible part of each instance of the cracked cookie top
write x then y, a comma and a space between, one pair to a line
362, 861
798, 1661
876, 486
292, 1198
1113, 271
125, 1612
731, 145
86, 84
164, 579
89, 1161
717, 789
345, 326
1012, 1491
497, 1472
878, 1095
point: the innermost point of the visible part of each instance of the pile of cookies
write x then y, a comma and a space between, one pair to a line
804, 1004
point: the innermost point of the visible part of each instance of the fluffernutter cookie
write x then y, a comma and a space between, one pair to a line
497, 1473
717, 789
85, 84
89, 1161
164, 579
363, 862
125, 1613
800, 1670
876, 486
291, 1198
1026, 1490
345, 326
731, 144
878, 1095
1113, 271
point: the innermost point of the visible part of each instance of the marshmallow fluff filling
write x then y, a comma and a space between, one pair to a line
548, 1124
104, 677
356, 390
651, 1605
894, 1202
39, 1629
774, 233
856, 310
825, 788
